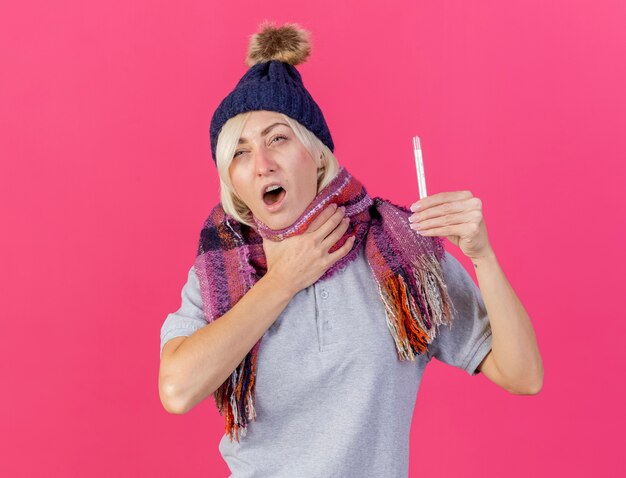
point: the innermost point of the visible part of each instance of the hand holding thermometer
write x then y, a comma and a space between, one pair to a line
419, 167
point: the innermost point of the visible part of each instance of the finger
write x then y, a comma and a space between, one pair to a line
445, 208
439, 198
343, 250
336, 234
329, 226
448, 220
467, 229
322, 217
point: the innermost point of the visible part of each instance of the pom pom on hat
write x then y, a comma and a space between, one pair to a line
289, 43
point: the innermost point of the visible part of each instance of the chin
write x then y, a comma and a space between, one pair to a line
280, 223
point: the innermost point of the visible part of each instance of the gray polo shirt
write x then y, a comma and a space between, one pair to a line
332, 398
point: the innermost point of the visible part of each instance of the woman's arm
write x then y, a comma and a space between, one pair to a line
201, 362
514, 362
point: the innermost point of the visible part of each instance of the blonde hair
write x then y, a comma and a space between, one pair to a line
227, 142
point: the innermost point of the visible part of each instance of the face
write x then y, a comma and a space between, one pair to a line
269, 153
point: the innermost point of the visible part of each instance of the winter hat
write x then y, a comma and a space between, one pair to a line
272, 83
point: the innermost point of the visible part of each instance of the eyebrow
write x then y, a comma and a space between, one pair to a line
263, 133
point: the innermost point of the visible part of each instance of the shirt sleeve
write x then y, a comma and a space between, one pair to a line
189, 317
466, 343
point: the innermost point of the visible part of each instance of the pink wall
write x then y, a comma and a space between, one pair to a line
106, 179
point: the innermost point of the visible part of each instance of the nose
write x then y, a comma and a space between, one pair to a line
264, 162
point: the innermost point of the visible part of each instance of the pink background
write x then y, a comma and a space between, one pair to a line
107, 177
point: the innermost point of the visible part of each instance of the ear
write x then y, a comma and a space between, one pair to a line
324, 161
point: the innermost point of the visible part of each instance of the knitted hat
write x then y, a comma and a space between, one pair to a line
272, 83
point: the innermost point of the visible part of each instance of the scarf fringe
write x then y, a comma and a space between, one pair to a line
235, 399
415, 325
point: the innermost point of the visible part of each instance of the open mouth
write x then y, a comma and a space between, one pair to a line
274, 197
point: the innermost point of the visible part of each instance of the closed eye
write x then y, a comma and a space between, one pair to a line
275, 137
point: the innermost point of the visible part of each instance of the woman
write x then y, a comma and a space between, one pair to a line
312, 309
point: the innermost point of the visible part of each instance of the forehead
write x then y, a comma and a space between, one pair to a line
259, 120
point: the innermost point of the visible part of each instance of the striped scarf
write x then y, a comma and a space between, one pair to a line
406, 267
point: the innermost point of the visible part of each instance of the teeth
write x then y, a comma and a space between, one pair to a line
271, 188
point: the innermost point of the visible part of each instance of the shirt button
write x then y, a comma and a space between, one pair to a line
324, 294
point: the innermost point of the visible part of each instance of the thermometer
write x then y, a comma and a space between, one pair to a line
419, 167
